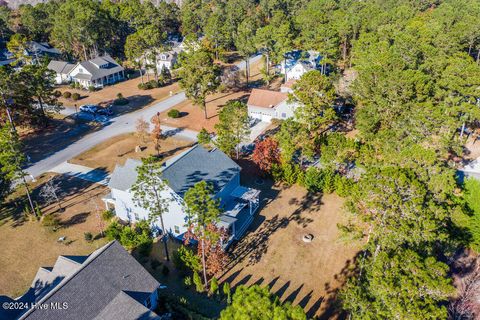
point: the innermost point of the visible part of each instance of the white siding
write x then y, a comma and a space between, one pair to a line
285, 110
126, 209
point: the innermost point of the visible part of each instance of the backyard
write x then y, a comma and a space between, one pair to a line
31, 245
274, 254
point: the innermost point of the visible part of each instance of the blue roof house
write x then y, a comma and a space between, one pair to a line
182, 172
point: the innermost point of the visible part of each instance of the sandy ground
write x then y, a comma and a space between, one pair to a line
307, 274
118, 149
27, 245
129, 89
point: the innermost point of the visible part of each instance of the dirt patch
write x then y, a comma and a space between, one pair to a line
118, 149
27, 245
307, 274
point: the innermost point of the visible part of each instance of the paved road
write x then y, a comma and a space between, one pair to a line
116, 126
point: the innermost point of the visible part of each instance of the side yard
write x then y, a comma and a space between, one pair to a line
118, 149
28, 245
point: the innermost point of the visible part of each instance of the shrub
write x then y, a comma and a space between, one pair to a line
75, 96
113, 231
213, 286
185, 260
173, 113
198, 282
204, 137
88, 236
312, 179
343, 186
165, 270
50, 221
120, 95
187, 281
107, 215
67, 94
57, 93
149, 85
227, 292
289, 173
91, 88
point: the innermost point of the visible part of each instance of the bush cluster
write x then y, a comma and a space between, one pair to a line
173, 113
152, 84
136, 237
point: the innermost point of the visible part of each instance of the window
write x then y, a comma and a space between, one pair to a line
80, 70
284, 115
176, 229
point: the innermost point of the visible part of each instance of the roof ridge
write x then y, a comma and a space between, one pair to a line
62, 283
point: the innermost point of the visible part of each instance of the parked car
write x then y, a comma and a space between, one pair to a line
105, 111
90, 108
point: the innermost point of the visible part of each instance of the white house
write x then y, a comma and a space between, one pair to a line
165, 59
62, 70
181, 172
41, 49
296, 63
97, 72
267, 105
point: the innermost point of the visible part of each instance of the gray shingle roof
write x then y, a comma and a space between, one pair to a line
123, 177
183, 171
97, 285
199, 164
96, 73
60, 67
123, 306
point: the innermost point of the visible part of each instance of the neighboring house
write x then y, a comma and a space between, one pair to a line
297, 63
165, 59
287, 87
97, 72
267, 105
37, 50
181, 173
62, 70
108, 284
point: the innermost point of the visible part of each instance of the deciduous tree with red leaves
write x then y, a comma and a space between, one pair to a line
266, 154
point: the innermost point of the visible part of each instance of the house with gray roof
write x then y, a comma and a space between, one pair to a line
182, 172
62, 70
108, 284
97, 72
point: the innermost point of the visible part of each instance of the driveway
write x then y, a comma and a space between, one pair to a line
116, 126
85, 173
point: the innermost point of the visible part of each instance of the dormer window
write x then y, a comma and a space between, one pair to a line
80, 70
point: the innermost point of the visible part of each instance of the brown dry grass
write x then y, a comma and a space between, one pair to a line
118, 149
129, 89
307, 274
27, 245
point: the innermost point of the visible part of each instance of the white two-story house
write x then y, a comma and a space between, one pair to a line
182, 172
296, 63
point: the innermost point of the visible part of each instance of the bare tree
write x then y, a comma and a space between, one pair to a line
467, 306
141, 129
49, 192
